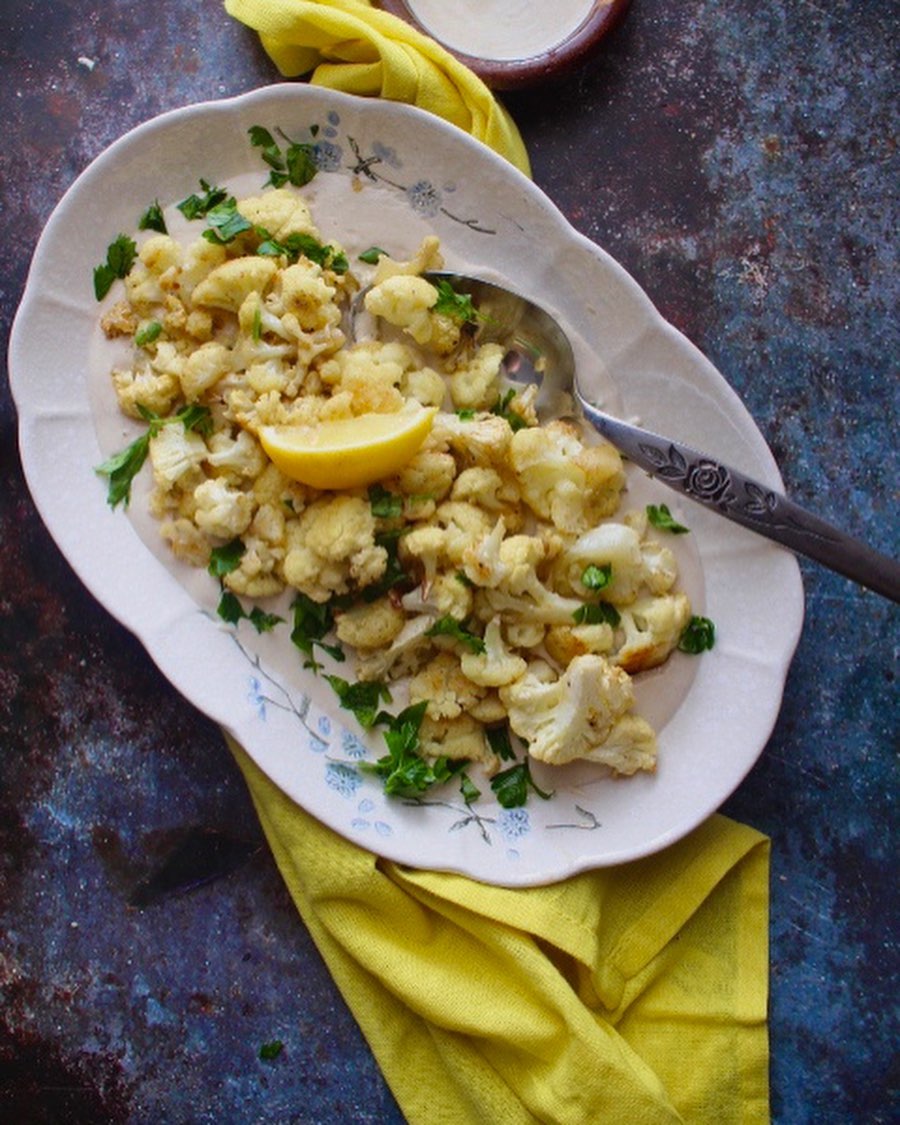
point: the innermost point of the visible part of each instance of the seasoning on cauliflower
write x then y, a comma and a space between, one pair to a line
496, 666
575, 716
652, 627
332, 546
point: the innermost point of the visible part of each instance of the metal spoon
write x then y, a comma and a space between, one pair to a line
539, 352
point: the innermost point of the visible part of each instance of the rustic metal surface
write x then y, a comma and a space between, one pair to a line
739, 159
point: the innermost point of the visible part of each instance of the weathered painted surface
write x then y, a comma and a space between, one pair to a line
739, 159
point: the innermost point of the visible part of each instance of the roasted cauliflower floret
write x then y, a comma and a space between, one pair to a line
370, 625
154, 390
203, 368
228, 285
240, 456
444, 685
405, 653
307, 295
459, 739
332, 546
574, 716
176, 455
561, 479
405, 301
222, 511
280, 213
496, 666
427, 257
652, 628
476, 385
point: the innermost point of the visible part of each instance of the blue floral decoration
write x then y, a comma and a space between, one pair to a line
343, 779
328, 156
514, 823
424, 198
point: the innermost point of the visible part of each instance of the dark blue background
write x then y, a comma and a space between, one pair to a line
739, 159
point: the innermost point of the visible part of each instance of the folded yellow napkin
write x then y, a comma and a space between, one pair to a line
630, 995
351, 46
635, 994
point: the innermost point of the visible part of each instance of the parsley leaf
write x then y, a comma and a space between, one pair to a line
660, 516
371, 256
124, 466
120, 255
597, 613
597, 577
449, 627
698, 636
223, 560
499, 742
225, 222
230, 608
468, 790
148, 333
298, 244
458, 306
403, 773
313, 621
363, 699
503, 409
384, 504
511, 786
197, 206
295, 164
153, 219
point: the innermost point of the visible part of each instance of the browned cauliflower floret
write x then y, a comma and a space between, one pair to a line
370, 625
447, 689
331, 546
575, 716
562, 480
652, 627
476, 384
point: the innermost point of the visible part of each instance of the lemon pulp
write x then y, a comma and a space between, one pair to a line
347, 452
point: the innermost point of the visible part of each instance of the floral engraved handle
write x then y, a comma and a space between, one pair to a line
745, 501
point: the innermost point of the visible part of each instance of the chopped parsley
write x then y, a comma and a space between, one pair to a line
225, 222
449, 627
698, 636
371, 256
120, 256
458, 306
660, 517
597, 613
311, 622
198, 206
503, 408
271, 1050
385, 505
294, 164
499, 741
148, 333
297, 244
153, 219
511, 786
223, 560
402, 771
363, 699
597, 577
124, 466
468, 790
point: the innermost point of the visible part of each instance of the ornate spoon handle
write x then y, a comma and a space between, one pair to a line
747, 502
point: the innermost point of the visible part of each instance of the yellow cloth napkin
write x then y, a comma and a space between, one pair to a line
351, 46
633, 995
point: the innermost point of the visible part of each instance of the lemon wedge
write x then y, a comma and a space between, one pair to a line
348, 452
